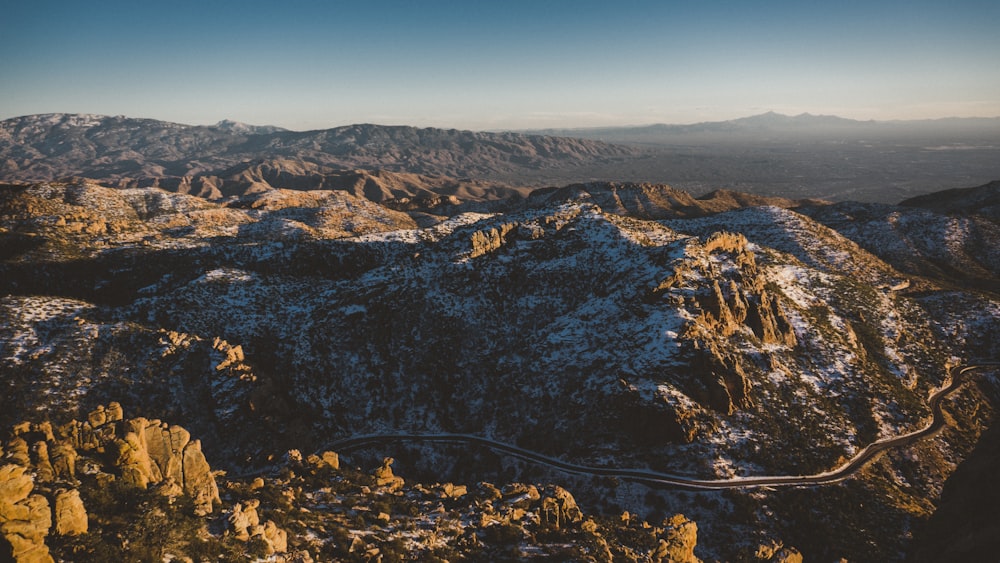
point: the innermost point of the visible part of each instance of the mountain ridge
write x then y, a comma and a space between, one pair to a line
768, 119
51, 146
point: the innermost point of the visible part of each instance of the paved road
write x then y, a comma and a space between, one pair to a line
845, 471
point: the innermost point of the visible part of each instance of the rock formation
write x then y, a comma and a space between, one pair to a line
721, 305
678, 541
484, 242
70, 514
25, 518
149, 452
559, 507
384, 476
245, 524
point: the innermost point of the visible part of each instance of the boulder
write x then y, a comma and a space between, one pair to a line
559, 507
242, 518
678, 540
451, 490
199, 483
25, 519
63, 458
70, 514
17, 451
786, 555
384, 476
276, 537
43, 467
331, 460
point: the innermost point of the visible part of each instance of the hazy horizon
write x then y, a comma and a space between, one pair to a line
491, 66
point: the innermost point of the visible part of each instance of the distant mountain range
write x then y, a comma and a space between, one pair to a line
776, 125
51, 146
796, 157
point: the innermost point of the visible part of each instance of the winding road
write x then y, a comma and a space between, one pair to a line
845, 471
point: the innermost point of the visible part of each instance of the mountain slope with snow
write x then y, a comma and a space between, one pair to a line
757, 341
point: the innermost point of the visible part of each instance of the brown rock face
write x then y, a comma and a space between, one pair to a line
559, 507
484, 242
724, 302
70, 514
149, 452
678, 541
63, 458
384, 476
199, 483
25, 519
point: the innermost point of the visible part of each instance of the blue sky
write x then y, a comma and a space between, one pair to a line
499, 65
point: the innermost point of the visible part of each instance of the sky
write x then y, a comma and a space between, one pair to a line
511, 64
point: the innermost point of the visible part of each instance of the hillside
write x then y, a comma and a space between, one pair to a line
725, 339
948, 236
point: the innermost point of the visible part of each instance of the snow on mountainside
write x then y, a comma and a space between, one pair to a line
752, 342
960, 248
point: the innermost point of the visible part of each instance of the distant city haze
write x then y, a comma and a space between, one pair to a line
499, 65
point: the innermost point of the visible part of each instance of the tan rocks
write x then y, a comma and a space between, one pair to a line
63, 459
17, 451
331, 460
199, 483
451, 490
15, 486
678, 541
277, 537
231, 355
559, 507
786, 555
484, 242
245, 525
385, 478
775, 552
25, 519
70, 514
43, 467
150, 452
115, 412
242, 517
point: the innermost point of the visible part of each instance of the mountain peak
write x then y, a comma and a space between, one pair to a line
240, 127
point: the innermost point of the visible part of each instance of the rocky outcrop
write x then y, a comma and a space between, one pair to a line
726, 384
25, 518
559, 507
678, 540
718, 283
242, 517
486, 241
70, 514
150, 451
245, 524
384, 476
145, 453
